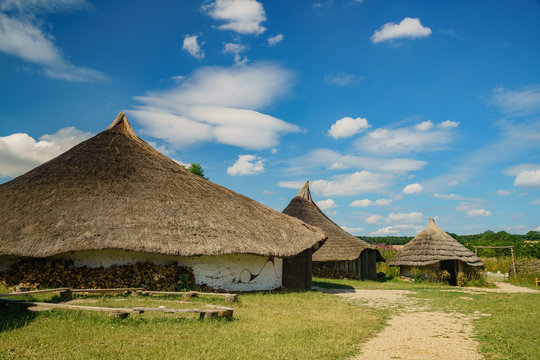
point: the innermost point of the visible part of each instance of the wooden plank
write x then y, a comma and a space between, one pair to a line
173, 310
34, 292
105, 290
494, 247
72, 307
227, 296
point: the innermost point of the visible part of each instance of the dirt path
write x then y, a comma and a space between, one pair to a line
417, 333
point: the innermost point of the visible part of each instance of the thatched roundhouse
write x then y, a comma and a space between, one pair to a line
342, 251
433, 251
113, 199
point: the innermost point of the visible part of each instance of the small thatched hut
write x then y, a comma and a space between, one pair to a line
433, 251
113, 199
342, 252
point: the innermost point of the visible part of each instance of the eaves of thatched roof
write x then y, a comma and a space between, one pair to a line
340, 245
432, 245
114, 191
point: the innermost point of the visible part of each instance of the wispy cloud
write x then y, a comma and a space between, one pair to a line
525, 101
424, 136
342, 79
218, 104
408, 28
241, 16
21, 35
326, 204
331, 159
236, 49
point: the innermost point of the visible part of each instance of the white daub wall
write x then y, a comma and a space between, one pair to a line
236, 272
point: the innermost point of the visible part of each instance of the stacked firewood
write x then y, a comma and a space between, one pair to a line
326, 271
47, 273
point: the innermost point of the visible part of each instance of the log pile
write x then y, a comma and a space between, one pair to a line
47, 273
329, 272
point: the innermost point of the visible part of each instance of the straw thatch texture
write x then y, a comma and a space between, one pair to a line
340, 244
432, 245
114, 191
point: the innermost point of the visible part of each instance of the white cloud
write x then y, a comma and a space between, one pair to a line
537, 229
472, 209
367, 202
451, 196
20, 152
424, 126
528, 179
342, 79
420, 137
361, 203
353, 230
246, 165
448, 124
334, 160
397, 230
218, 104
326, 204
268, 192
453, 183
407, 28
412, 189
478, 212
342, 185
374, 219
292, 184
535, 202
503, 192
21, 35
351, 184
274, 40
525, 101
412, 217
192, 46
241, 16
347, 127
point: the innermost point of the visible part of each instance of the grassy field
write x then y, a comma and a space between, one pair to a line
306, 325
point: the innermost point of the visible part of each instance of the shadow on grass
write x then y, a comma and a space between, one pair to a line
331, 285
11, 320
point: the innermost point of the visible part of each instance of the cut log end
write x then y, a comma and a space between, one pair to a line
119, 315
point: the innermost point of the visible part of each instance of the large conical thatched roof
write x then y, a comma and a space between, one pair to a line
114, 191
432, 245
340, 244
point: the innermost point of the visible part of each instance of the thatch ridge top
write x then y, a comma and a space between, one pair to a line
340, 245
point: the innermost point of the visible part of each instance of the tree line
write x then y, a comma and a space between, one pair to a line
527, 245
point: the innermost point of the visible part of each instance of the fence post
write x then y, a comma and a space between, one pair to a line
513, 261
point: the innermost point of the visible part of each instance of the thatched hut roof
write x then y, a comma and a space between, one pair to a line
340, 244
432, 245
114, 191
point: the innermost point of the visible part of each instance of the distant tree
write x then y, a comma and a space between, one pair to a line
533, 235
196, 169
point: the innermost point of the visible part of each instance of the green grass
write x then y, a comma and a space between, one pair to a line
306, 325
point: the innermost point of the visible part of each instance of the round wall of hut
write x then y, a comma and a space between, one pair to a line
234, 272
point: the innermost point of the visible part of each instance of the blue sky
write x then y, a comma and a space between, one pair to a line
394, 110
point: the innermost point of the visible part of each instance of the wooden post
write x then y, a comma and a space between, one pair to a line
475, 251
513, 261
